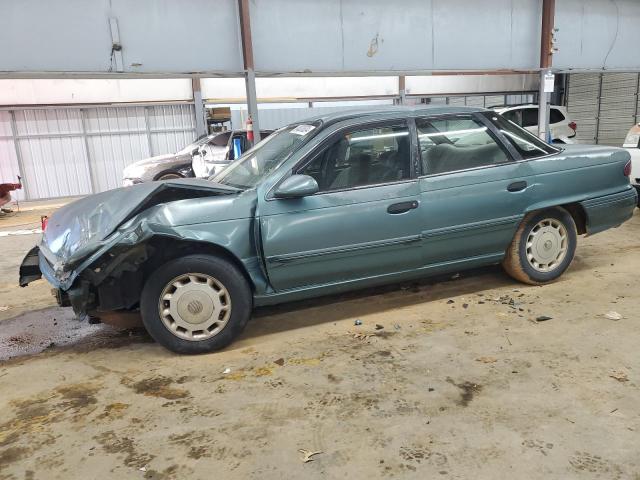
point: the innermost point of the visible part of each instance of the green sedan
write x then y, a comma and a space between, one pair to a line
338, 202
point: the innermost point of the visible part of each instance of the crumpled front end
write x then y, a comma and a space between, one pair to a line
92, 244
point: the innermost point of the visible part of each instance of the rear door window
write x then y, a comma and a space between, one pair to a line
529, 117
457, 143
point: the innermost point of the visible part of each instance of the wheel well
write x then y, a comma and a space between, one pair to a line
579, 216
163, 249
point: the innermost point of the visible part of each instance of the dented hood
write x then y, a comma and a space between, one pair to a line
77, 229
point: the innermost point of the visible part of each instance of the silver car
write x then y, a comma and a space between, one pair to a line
202, 158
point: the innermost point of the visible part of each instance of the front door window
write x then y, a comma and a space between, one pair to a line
371, 156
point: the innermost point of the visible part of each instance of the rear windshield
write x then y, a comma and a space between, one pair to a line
526, 143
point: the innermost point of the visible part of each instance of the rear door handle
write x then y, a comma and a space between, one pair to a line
517, 186
402, 207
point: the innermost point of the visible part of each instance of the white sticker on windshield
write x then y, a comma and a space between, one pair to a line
302, 129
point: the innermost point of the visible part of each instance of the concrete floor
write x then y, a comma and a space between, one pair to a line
461, 382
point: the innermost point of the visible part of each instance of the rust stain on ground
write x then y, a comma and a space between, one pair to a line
114, 410
158, 387
111, 443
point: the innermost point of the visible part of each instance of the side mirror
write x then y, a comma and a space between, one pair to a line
297, 186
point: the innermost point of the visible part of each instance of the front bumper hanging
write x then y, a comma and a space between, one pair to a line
30, 267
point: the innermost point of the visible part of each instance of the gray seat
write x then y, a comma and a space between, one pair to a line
445, 157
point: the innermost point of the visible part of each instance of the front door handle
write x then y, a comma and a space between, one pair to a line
517, 186
402, 207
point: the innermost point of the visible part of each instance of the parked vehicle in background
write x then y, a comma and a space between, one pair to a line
562, 129
163, 167
632, 144
215, 155
339, 202
202, 158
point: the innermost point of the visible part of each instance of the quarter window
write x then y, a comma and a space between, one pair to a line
555, 116
457, 143
365, 157
526, 143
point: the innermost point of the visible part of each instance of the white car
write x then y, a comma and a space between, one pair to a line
563, 130
632, 144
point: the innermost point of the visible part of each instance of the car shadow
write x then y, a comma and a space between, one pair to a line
333, 308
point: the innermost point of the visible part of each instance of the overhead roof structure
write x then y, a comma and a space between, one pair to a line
58, 38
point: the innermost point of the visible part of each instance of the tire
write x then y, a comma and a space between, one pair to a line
191, 284
169, 176
544, 229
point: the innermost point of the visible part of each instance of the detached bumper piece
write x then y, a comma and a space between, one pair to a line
30, 268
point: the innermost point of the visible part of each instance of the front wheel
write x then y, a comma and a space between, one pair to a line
542, 248
196, 304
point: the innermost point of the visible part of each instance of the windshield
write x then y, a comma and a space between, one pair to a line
189, 148
265, 157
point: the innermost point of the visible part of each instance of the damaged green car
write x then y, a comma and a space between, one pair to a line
339, 202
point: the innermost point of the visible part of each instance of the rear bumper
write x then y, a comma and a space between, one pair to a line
610, 210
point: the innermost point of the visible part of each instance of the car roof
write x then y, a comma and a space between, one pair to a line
334, 117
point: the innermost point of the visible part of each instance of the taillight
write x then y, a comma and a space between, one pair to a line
573, 126
627, 169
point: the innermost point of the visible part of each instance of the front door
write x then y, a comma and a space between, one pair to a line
364, 221
473, 194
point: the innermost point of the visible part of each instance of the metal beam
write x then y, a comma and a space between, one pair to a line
247, 59
402, 89
201, 124
546, 61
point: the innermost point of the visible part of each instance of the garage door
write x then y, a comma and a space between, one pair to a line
604, 106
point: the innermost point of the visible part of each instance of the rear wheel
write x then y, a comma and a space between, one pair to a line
196, 304
169, 176
542, 248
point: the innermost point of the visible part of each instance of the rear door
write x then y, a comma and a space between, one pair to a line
473, 193
364, 222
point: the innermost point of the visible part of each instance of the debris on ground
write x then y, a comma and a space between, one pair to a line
543, 318
613, 315
449, 302
226, 371
379, 327
357, 323
619, 376
486, 359
397, 326
465, 305
308, 454
279, 361
4, 308
363, 336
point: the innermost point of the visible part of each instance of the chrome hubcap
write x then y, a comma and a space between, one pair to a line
194, 306
547, 245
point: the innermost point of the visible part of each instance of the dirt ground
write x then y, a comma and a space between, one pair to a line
450, 379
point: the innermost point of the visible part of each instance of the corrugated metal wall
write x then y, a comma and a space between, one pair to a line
604, 106
9, 168
76, 151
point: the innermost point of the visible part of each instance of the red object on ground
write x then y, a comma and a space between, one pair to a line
43, 222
